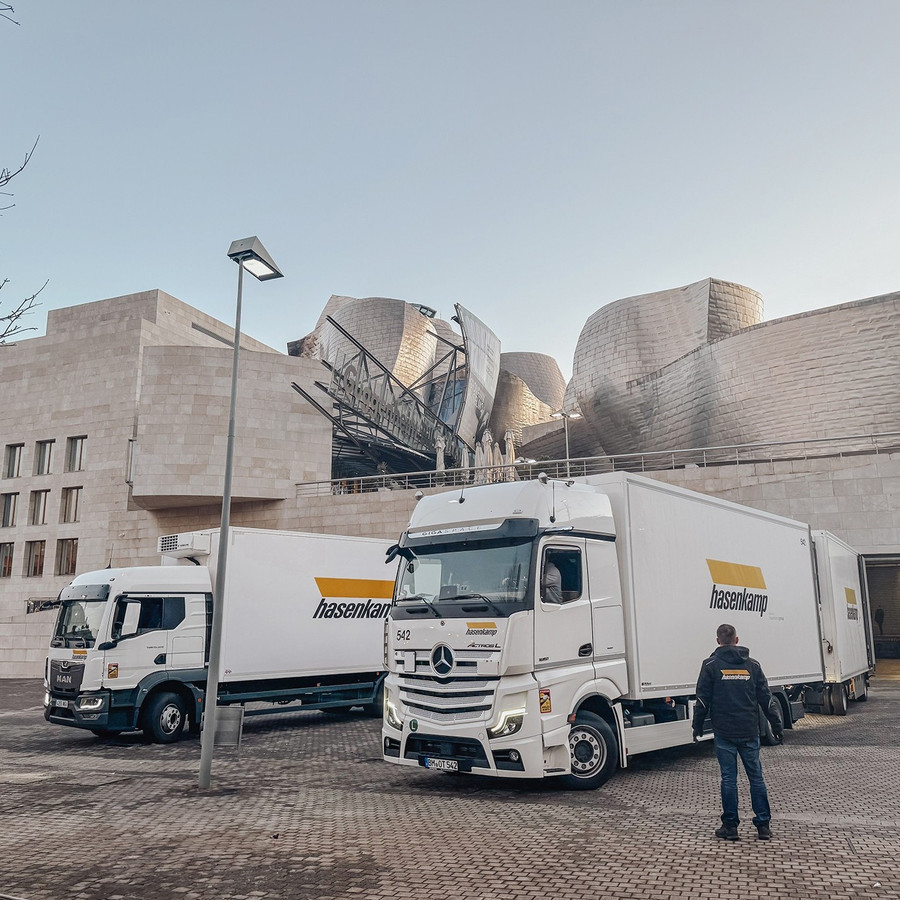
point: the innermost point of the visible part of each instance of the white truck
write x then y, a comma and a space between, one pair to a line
303, 621
496, 669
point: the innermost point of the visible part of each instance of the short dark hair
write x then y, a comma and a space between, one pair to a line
725, 634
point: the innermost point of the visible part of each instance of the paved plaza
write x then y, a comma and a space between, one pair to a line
309, 810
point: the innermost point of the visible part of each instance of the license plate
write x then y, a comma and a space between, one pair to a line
61, 704
444, 765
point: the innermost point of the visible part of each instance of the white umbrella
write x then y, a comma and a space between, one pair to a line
479, 463
497, 471
509, 441
440, 445
487, 456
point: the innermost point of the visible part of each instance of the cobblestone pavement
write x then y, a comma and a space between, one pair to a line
309, 810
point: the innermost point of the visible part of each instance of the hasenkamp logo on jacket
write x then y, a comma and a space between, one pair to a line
751, 594
368, 591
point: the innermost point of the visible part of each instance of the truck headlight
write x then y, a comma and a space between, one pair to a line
91, 702
510, 722
46, 698
392, 715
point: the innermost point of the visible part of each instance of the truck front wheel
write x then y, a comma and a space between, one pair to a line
163, 718
593, 751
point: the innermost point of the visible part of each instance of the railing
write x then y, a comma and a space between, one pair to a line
654, 461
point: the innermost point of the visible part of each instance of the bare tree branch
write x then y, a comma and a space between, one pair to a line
9, 323
7, 175
5, 10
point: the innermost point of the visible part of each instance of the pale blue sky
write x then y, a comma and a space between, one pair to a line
533, 161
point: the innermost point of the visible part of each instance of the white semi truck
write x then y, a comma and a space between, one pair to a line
303, 622
497, 668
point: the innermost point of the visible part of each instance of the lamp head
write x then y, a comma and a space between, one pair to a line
255, 258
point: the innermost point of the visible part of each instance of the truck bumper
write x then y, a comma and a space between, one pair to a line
519, 756
89, 710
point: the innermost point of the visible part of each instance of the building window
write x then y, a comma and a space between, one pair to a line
8, 504
6, 555
34, 558
75, 453
43, 457
66, 556
71, 504
12, 461
38, 510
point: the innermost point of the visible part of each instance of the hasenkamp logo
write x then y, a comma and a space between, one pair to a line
852, 608
485, 629
369, 591
751, 594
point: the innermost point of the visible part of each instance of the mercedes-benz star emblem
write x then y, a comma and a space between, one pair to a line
442, 660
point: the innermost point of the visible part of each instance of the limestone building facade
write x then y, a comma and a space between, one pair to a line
114, 425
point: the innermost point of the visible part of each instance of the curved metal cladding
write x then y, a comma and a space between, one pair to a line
540, 373
695, 367
394, 331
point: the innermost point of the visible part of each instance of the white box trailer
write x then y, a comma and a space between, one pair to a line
303, 623
846, 626
689, 562
493, 670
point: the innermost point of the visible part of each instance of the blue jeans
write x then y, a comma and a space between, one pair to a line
727, 753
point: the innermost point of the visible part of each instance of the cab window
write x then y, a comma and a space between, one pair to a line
139, 615
561, 575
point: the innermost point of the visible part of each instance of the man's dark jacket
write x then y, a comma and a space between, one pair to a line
731, 689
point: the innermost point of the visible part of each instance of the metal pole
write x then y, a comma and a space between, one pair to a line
566, 429
215, 641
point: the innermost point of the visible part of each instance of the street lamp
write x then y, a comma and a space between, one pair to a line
249, 254
565, 415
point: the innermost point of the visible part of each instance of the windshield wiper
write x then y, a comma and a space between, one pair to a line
483, 599
418, 598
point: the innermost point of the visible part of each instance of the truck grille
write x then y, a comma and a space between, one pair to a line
447, 700
65, 676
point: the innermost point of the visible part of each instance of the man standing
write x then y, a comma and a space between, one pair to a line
731, 689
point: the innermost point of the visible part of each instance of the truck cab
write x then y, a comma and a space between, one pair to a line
508, 616
126, 645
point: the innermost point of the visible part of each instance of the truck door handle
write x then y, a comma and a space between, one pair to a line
585, 649
160, 660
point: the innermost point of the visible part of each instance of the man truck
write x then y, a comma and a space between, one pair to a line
303, 622
494, 668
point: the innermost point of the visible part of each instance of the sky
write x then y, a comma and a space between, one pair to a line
533, 161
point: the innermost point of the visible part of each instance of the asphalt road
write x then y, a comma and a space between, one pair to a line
310, 810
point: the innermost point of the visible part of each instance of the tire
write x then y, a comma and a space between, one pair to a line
594, 753
163, 718
838, 699
766, 732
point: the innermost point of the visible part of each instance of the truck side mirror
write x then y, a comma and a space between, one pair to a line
108, 645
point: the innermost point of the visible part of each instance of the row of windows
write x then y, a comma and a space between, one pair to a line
66, 557
43, 457
69, 507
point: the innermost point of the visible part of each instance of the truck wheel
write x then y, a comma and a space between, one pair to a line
838, 699
593, 751
163, 718
766, 732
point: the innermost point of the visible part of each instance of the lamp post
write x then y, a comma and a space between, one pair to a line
249, 254
565, 415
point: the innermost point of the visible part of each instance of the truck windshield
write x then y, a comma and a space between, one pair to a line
455, 579
78, 623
